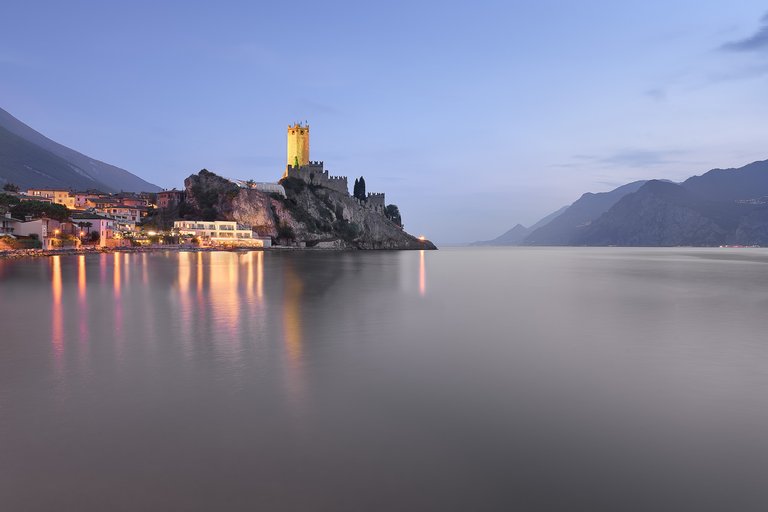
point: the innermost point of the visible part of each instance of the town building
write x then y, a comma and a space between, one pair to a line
8, 224
43, 229
169, 198
122, 213
266, 187
58, 196
104, 226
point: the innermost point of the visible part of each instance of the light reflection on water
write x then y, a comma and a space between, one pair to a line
531, 379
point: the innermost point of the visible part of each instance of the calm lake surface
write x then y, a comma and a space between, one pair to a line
462, 379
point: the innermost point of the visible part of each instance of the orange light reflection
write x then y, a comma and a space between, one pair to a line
57, 314
260, 274
422, 274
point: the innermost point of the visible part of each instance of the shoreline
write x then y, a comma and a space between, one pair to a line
44, 253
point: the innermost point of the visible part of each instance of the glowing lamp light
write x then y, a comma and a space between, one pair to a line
151, 233
422, 238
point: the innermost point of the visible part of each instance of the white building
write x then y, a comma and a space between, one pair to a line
220, 232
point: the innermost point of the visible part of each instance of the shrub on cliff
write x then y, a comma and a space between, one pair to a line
293, 185
285, 231
392, 212
346, 230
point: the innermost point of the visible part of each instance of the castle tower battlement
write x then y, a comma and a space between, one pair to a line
311, 172
298, 145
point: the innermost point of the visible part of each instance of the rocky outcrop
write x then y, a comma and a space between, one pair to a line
309, 215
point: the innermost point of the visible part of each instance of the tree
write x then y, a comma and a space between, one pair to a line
392, 212
37, 209
358, 190
86, 225
11, 187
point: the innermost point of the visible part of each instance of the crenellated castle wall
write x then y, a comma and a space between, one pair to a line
375, 200
314, 174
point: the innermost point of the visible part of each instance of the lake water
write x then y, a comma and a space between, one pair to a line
462, 379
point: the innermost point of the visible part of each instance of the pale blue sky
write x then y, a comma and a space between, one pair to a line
471, 116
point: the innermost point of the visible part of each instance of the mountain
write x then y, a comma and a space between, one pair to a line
748, 182
511, 237
720, 207
565, 228
29, 166
549, 218
29, 159
517, 234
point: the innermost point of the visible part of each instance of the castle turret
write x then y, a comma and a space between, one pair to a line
298, 145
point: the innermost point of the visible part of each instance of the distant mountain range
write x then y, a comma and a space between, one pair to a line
517, 234
31, 160
720, 207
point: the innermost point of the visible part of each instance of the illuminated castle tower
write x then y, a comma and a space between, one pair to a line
299, 167
298, 145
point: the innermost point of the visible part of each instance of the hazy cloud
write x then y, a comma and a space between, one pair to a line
756, 42
641, 158
311, 106
656, 94
743, 73
627, 158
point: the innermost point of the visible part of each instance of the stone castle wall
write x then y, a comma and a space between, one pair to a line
375, 200
315, 174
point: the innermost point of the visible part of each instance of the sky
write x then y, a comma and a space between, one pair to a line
471, 116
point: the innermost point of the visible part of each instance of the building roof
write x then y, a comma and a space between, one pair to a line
88, 216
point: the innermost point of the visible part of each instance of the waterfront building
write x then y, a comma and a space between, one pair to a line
8, 224
221, 233
100, 224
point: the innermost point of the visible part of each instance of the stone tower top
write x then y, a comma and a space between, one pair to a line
298, 144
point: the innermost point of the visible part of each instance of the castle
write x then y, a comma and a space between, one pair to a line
299, 166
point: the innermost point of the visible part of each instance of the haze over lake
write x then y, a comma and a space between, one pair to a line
460, 379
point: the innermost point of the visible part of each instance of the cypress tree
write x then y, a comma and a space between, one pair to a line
356, 188
362, 188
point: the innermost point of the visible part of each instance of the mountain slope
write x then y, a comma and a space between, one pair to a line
748, 182
105, 176
720, 207
517, 234
565, 228
30, 166
549, 218
665, 214
512, 236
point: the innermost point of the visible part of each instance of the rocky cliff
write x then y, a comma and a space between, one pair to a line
309, 215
